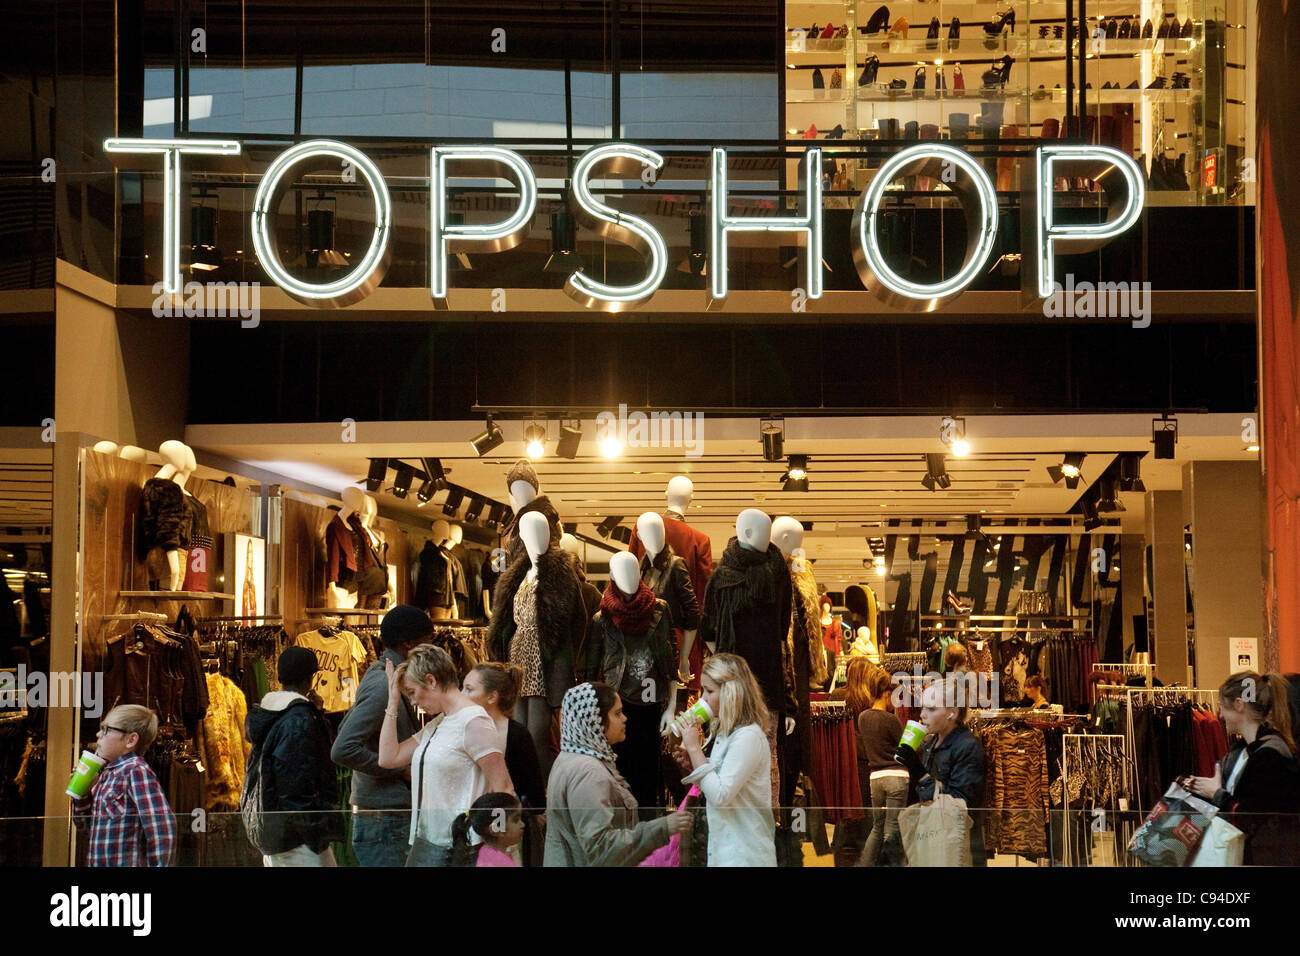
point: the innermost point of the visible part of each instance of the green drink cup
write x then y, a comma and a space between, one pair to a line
83, 778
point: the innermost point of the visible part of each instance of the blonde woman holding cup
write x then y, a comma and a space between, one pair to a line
735, 776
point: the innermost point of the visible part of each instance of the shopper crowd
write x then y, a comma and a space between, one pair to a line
466, 787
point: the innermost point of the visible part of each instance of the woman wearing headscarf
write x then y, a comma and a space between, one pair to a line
591, 815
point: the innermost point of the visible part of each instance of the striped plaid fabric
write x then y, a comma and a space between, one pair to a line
130, 822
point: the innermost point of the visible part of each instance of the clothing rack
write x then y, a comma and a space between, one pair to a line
826, 706
152, 617
904, 660
265, 619
1076, 742
313, 612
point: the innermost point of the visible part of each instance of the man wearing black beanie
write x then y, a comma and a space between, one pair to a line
381, 799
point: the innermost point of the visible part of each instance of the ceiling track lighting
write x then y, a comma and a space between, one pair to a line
455, 497
476, 506
425, 494
1130, 472
771, 433
696, 262
535, 440
1070, 469
378, 472
402, 483
570, 438
1091, 520
1164, 435
796, 474
321, 252
496, 515
1108, 496
606, 527
488, 439
434, 472
564, 258
952, 432
936, 472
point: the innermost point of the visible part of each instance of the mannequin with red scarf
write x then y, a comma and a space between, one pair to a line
638, 660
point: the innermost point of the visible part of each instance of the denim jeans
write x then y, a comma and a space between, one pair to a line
888, 797
380, 837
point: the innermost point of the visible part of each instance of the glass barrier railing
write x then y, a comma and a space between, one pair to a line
806, 836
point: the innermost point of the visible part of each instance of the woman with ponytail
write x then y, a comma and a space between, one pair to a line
1257, 782
496, 820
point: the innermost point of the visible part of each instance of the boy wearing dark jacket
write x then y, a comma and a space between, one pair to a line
291, 764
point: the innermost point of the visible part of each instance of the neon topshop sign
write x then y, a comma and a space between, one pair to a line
964, 175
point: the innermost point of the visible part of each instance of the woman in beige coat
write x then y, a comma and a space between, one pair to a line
591, 815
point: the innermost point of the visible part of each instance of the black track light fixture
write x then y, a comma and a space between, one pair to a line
1164, 435
535, 440
433, 471
796, 474
487, 439
1130, 471
1091, 520
606, 527
771, 432
1070, 469
1108, 496
378, 472
402, 483
455, 498
476, 505
696, 262
570, 437
936, 472
564, 241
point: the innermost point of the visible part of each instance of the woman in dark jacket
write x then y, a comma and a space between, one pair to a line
950, 756
1257, 782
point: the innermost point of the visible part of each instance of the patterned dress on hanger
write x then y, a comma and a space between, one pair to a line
524, 647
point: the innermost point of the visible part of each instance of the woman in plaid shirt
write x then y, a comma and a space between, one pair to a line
128, 816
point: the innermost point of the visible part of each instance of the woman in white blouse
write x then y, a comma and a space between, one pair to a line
453, 761
735, 777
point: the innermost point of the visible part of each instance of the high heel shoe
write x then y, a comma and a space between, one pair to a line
829, 32
836, 133
918, 82
940, 81
954, 33
932, 34
1163, 32
999, 73
879, 21
958, 81
1000, 22
1189, 28
1125, 30
1147, 29
1157, 84
899, 29
869, 70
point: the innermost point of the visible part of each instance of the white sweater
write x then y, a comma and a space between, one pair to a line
736, 782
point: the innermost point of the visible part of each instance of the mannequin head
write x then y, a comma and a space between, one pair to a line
571, 544
370, 510
354, 502
522, 483
105, 447
650, 529
457, 535
172, 453
754, 529
787, 534
442, 533
535, 533
625, 573
133, 453
680, 492
191, 463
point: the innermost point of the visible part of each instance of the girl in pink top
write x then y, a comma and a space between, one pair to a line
484, 834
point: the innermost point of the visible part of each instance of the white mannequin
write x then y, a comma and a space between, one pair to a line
571, 544
457, 535
354, 502
625, 572
680, 492
174, 464
650, 529
754, 529
535, 533
191, 464
442, 534
787, 534
521, 494
105, 447
754, 532
133, 453
864, 637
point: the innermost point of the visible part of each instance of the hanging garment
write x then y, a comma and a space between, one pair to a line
222, 743
199, 559
525, 651
341, 658
433, 585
